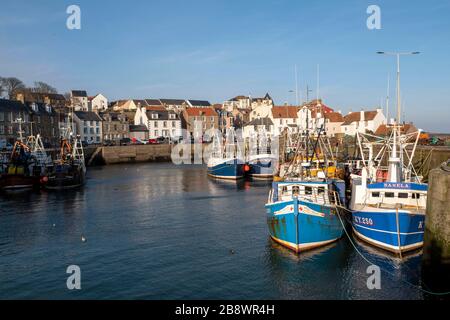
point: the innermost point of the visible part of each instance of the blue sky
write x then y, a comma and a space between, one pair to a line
217, 49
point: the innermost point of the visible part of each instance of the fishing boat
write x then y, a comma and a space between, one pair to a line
19, 173
388, 202
389, 198
261, 159
27, 165
226, 161
303, 207
69, 170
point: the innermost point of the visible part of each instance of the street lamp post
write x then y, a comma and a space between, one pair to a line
398, 54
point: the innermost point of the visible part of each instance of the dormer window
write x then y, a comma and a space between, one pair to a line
34, 107
154, 116
172, 116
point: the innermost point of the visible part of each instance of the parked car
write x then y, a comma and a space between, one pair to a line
125, 142
108, 143
153, 141
162, 139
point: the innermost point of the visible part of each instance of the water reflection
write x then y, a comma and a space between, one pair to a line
160, 231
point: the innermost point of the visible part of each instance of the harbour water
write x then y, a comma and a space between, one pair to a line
160, 231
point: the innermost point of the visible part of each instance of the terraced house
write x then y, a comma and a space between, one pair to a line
115, 127
159, 122
79, 100
35, 118
204, 118
88, 126
10, 112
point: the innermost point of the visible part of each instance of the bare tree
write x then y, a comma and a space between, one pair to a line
43, 87
1, 87
11, 85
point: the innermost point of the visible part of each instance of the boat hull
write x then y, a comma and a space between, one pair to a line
18, 182
300, 225
228, 169
261, 168
66, 177
379, 228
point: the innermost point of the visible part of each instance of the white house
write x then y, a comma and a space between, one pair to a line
258, 125
89, 126
238, 102
362, 121
284, 117
333, 123
98, 103
265, 101
159, 122
79, 100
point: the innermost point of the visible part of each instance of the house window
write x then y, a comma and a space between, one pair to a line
165, 124
85, 130
97, 130
156, 124
2, 116
156, 133
2, 129
174, 124
212, 119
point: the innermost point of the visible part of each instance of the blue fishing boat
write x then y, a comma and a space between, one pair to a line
262, 166
225, 161
304, 205
226, 168
304, 215
388, 205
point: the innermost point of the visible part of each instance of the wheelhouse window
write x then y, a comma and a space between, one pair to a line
389, 195
416, 195
308, 190
375, 194
295, 191
321, 190
403, 195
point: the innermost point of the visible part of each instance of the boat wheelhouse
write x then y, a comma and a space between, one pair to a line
304, 215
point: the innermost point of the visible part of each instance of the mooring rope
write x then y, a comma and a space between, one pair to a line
385, 270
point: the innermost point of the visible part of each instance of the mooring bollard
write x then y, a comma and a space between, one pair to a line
436, 250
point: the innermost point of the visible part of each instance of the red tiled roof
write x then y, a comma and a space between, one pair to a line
209, 112
334, 116
356, 116
284, 112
